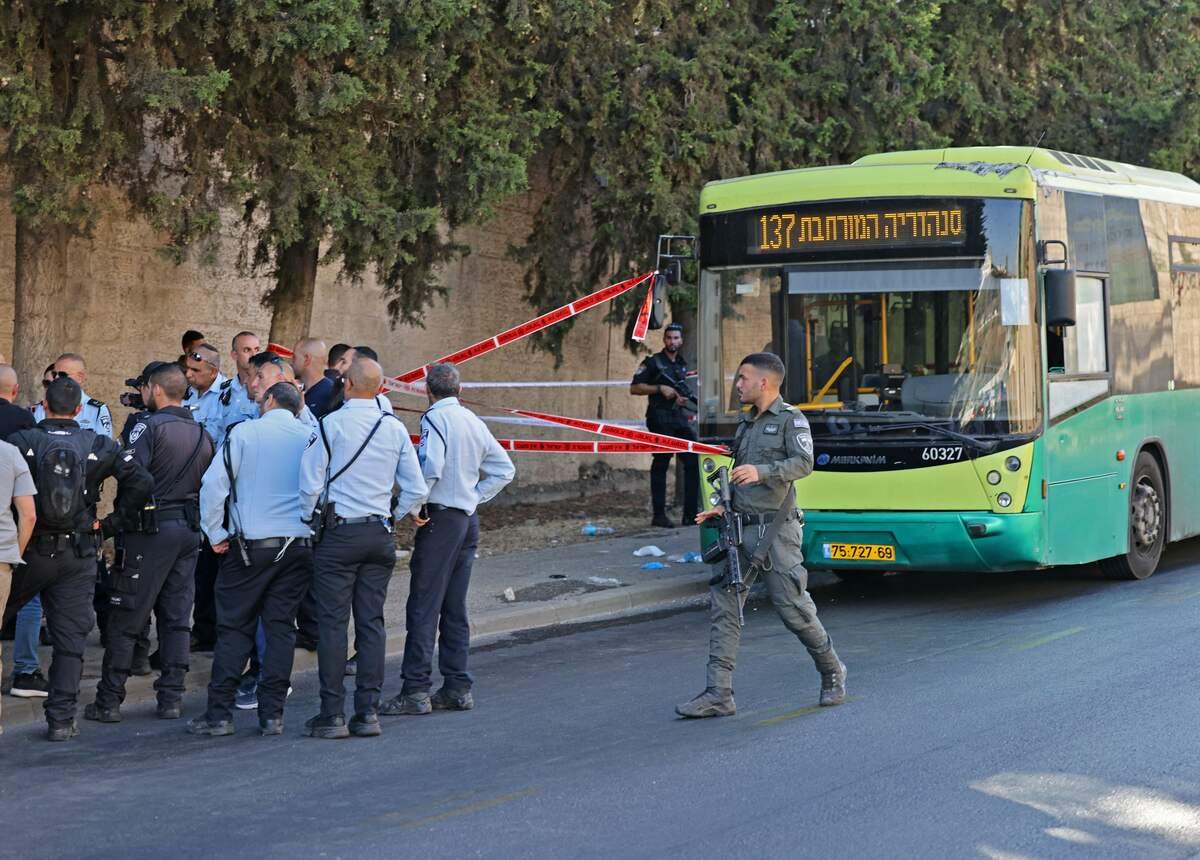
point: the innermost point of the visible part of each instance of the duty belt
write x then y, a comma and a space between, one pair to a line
276, 542
765, 519
433, 506
354, 521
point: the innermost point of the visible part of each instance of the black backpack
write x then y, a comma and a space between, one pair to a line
60, 474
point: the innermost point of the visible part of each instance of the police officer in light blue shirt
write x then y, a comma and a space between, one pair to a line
205, 378
95, 415
363, 470
250, 511
464, 467
237, 402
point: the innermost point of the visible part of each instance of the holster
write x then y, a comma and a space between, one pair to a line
191, 514
243, 551
148, 518
324, 518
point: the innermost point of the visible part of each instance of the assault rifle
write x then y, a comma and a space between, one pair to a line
728, 542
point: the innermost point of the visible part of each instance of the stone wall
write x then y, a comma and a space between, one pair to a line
137, 303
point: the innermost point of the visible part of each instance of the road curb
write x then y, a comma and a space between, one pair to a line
627, 601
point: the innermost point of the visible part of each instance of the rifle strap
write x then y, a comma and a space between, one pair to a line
768, 540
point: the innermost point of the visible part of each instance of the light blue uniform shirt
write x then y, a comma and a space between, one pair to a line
463, 463
265, 456
236, 405
388, 463
306, 417
207, 409
92, 417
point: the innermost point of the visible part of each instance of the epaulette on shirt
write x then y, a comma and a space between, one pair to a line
92, 401
226, 392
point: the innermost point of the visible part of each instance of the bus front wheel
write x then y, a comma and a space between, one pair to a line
1147, 523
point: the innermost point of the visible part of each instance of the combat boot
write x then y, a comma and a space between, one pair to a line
833, 675
101, 714
211, 728
63, 730
713, 702
452, 700
328, 728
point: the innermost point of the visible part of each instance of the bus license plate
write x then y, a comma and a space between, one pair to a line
859, 552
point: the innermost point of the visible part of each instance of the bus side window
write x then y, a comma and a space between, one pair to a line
1083, 347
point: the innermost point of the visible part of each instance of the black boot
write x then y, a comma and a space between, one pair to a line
833, 675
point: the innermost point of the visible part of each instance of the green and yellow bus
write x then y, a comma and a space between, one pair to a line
997, 348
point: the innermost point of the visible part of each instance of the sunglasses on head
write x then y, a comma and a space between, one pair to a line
57, 374
196, 356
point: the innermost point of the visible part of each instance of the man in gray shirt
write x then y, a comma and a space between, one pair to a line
464, 467
16, 490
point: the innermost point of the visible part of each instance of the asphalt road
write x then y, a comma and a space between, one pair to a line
1038, 715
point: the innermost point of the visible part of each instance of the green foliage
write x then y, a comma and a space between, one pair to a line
657, 98
77, 79
376, 128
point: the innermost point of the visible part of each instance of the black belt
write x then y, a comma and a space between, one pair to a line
436, 507
276, 543
171, 514
354, 521
767, 519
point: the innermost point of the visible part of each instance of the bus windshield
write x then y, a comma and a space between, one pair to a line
945, 344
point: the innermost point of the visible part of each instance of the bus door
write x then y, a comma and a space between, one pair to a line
1085, 511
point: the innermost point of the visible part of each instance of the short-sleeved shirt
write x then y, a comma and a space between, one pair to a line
660, 369
779, 443
15, 480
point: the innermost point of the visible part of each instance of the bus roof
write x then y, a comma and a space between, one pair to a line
975, 171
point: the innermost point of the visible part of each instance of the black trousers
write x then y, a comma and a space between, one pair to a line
443, 553
158, 574
660, 465
352, 567
271, 588
204, 614
66, 583
307, 624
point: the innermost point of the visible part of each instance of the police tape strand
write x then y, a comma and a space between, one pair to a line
634, 440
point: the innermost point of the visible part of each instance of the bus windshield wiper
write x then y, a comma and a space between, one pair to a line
970, 441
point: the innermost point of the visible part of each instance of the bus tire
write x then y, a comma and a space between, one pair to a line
1147, 523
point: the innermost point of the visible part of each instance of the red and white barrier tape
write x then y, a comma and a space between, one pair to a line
535, 325
634, 440
559, 447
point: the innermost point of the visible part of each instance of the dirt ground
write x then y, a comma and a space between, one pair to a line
513, 528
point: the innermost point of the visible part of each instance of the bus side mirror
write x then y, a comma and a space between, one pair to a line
673, 272
1060, 297
658, 302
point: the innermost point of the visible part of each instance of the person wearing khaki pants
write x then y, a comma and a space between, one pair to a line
16, 490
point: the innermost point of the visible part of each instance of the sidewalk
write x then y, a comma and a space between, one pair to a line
563, 585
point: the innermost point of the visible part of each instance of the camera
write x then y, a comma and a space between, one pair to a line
132, 400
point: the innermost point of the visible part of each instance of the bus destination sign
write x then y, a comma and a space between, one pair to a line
810, 229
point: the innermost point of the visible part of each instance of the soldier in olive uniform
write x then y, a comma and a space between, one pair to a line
772, 448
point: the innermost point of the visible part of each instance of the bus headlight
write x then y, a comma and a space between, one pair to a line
993, 477
714, 499
708, 464
1012, 464
1004, 499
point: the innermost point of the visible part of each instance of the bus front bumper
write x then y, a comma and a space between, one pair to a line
924, 540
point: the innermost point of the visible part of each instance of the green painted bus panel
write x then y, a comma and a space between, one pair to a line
848, 182
1087, 505
933, 540
959, 486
